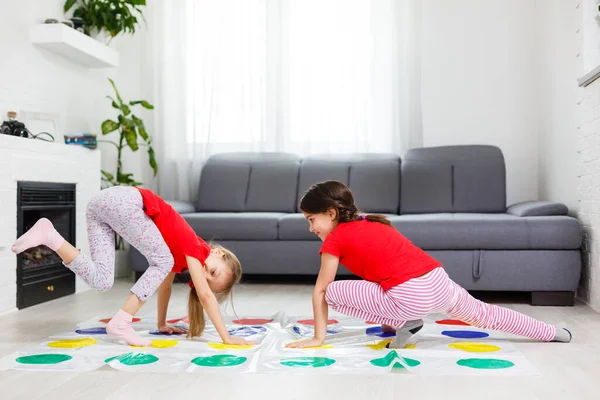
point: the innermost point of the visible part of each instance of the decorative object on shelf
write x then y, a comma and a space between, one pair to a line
111, 16
78, 24
13, 127
51, 21
85, 139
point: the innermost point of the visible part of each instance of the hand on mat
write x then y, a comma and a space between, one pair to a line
306, 343
170, 329
239, 341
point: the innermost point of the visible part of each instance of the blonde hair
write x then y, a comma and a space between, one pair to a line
195, 309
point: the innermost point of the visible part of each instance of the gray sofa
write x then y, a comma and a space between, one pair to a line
450, 201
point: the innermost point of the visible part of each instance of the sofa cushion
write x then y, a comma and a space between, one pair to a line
234, 226
249, 182
453, 179
373, 178
489, 231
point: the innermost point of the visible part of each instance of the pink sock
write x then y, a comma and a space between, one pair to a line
42, 232
120, 326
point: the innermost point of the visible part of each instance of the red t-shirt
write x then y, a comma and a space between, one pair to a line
377, 253
177, 233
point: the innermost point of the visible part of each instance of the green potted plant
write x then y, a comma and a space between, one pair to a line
110, 16
132, 133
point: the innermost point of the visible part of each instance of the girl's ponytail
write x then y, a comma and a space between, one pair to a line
195, 315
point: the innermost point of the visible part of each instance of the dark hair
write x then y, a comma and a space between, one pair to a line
333, 194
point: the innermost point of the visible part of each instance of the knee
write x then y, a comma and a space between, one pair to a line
105, 285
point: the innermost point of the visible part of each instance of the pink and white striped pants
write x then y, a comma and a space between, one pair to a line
433, 292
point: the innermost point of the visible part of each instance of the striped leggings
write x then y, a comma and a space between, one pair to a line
433, 292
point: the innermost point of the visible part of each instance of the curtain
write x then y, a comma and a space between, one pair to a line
302, 76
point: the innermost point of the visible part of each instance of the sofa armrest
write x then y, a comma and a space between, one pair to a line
537, 209
182, 207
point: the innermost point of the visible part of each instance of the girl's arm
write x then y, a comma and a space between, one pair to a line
329, 266
209, 301
162, 304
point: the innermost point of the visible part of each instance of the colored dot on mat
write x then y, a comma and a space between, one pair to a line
157, 332
465, 334
247, 330
92, 331
451, 322
485, 363
174, 321
161, 343
107, 320
252, 321
312, 321
43, 359
371, 323
474, 347
134, 359
223, 346
392, 358
73, 343
314, 362
219, 360
377, 331
380, 345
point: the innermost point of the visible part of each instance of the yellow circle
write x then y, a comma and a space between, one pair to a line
474, 347
382, 345
160, 343
323, 346
223, 346
72, 343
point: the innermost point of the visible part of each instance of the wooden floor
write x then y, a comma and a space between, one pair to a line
569, 371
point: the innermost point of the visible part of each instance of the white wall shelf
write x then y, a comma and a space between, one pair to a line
73, 44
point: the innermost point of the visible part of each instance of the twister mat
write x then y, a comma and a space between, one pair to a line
442, 347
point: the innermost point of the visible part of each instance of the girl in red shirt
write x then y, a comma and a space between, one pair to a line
170, 245
402, 283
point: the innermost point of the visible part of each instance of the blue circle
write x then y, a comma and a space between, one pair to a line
157, 332
247, 331
92, 331
465, 334
377, 331
305, 331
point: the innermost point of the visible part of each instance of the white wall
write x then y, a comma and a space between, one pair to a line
35, 80
479, 82
558, 45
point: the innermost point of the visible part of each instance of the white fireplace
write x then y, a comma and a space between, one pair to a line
32, 160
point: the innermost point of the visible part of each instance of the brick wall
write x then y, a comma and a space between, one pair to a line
36, 160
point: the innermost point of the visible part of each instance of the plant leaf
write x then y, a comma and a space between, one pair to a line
152, 160
107, 176
127, 179
68, 5
141, 127
144, 104
116, 91
136, 2
109, 126
126, 109
131, 138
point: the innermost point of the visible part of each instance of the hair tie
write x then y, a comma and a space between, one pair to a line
363, 217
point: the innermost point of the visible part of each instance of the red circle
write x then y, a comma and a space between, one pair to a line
174, 321
312, 321
107, 320
371, 323
451, 322
252, 321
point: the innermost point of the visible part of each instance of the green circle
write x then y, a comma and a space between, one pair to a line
219, 360
134, 359
315, 362
485, 363
391, 358
44, 359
